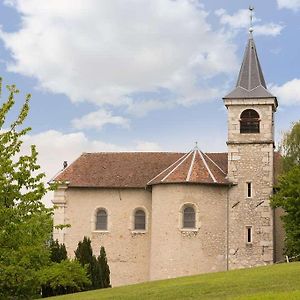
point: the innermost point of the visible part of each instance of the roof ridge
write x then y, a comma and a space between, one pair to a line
191, 166
215, 164
186, 156
168, 167
207, 167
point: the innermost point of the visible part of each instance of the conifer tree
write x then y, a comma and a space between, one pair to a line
104, 269
97, 268
58, 251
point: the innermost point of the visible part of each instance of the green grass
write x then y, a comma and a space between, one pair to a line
271, 282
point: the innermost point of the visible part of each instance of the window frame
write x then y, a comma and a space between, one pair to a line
249, 189
95, 219
196, 223
249, 235
249, 124
133, 215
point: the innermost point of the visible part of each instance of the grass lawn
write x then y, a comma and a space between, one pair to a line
280, 281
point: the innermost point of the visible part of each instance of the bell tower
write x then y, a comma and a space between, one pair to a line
250, 144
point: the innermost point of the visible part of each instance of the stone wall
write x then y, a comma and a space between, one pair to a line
127, 250
250, 160
177, 252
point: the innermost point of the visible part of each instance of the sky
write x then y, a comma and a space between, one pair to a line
141, 75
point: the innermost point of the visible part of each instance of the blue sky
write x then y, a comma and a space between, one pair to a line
141, 75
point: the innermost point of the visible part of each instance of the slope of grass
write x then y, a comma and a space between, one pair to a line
270, 282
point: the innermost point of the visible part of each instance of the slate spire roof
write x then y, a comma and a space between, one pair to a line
251, 82
192, 167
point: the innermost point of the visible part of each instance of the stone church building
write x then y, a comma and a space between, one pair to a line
162, 215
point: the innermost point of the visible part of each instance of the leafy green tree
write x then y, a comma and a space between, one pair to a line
288, 197
287, 193
26, 224
104, 269
290, 147
58, 251
63, 278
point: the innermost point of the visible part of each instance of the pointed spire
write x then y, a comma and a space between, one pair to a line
251, 82
251, 75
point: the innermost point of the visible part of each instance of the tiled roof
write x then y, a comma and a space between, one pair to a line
193, 167
139, 169
128, 169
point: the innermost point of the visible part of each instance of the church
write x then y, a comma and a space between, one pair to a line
166, 214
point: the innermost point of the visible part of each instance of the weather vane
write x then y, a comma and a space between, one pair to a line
251, 8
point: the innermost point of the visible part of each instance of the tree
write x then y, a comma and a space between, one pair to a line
26, 224
290, 147
97, 268
84, 252
63, 278
104, 269
287, 193
58, 251
288, 197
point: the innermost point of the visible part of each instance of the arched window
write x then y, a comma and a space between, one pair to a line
189, 217
249, 122
101, 219
139, 220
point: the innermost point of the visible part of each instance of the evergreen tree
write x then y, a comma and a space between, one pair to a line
97, 268
84, 252
58, 251
103, 269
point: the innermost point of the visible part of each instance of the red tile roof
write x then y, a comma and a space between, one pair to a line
139, 169
193, 167
123, 169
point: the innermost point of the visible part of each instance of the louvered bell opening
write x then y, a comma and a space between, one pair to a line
139, 220
101, 220
249, 122
189, 218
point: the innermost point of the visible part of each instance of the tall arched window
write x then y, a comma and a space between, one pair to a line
189, 217
139, 220
101, 219
249, 122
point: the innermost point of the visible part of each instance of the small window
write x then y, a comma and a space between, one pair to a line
249, 234
101, 220
249, 189
189, 217
249, 122
139, 220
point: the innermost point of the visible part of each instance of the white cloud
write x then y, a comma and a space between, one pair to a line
55, 147
288, 93
105, 51
289, 4
240, 20
98, 119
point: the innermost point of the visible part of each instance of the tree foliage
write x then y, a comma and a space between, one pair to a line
290, 147
63, 278
97, 268
25, 222
58, 251
104, 269
288, 197
287, 193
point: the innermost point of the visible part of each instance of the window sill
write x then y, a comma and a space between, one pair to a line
101, 231
189, 229
138, 231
